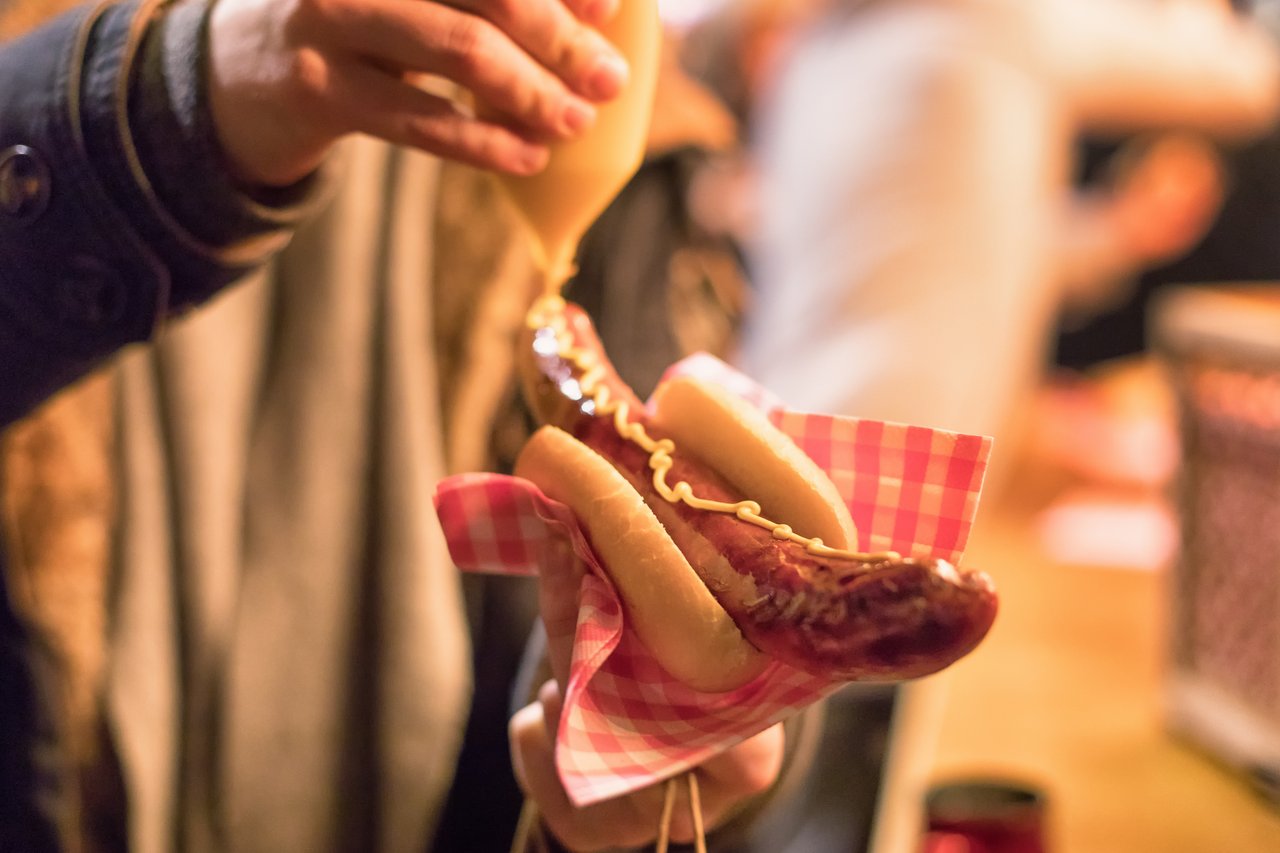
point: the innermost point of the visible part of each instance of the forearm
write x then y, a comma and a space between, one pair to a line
1125, 65
124, 213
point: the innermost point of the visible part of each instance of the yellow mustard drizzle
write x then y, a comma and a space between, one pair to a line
548, 312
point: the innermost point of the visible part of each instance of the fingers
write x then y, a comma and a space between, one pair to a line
286, 80
625, 822
532, 63
724, 781
593, 12
550, 31
1165, 200
373, 102
466, 49
552, 702
747, 770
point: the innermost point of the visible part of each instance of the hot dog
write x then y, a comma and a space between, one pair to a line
694, 509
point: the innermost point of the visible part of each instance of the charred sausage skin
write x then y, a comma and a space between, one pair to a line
883, 618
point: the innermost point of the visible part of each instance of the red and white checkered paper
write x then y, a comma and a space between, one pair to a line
626, 723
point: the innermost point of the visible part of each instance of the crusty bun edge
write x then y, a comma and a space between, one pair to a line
667, 605
736, 440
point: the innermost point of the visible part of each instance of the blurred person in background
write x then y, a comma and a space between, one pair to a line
1105, 388
227, 620
917, 229
1239, 244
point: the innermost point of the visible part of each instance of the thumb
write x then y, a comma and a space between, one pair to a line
552, 701
559, 584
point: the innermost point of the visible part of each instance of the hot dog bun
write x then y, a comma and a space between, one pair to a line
667, 604
737, 441
686, 481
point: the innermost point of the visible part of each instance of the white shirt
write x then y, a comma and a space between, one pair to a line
915, 158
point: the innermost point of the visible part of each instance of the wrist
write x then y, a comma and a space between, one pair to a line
258, 149
255, 98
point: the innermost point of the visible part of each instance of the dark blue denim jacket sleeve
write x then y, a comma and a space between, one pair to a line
115, 208
115, 212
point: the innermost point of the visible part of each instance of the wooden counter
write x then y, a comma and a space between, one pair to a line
1066, 691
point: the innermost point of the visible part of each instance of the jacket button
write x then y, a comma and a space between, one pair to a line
24, 183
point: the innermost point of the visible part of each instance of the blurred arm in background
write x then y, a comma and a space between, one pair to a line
915, 159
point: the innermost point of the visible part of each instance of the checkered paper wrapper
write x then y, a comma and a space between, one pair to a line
626, 723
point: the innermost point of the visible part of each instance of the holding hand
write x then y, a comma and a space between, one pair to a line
725, 781
288, 78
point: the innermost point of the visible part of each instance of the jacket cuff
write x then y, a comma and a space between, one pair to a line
180, 160
115, 211
148, 133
